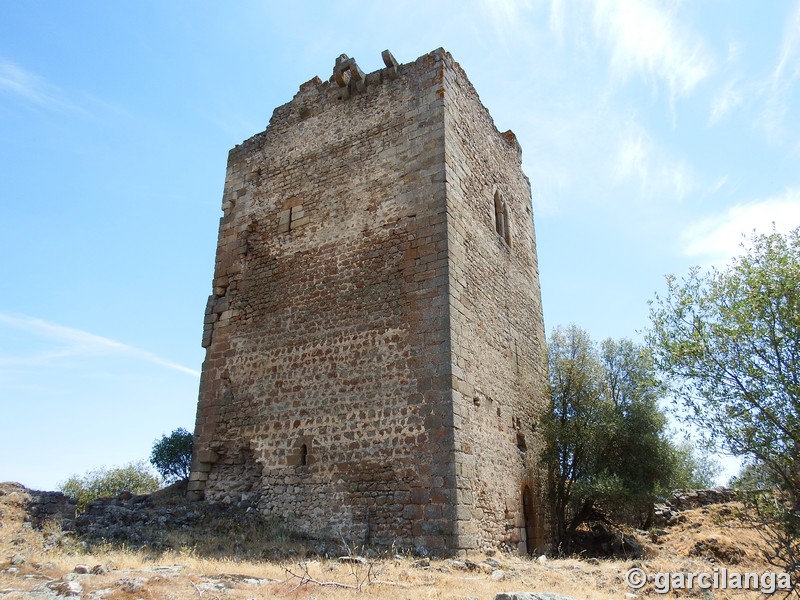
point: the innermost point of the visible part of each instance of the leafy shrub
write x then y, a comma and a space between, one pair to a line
134, 477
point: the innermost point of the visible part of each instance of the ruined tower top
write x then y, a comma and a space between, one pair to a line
348, 80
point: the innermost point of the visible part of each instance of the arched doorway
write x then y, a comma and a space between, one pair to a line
531, 517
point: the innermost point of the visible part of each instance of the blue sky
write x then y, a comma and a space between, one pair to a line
654, 133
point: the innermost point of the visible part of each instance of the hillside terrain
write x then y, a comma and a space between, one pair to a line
199, 551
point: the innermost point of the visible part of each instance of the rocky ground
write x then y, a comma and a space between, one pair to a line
158, 546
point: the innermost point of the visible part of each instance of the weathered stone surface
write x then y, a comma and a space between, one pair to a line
132, 585
687, 499
17, 560
389, 60
668, 513
66, 588
148, 520
391, 64
531, 596
51, 506
422, 563
367, 289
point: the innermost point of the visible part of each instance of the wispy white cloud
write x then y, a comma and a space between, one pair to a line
557, 20
592, 153
647, 40
507, 11
777, 89
717, 238
788, 65
734, 51
561, 148
720, 183
726, 101
507, 19
30, 87
637, 159
67, 342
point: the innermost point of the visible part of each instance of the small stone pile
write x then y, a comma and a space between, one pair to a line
668, 513
531, 596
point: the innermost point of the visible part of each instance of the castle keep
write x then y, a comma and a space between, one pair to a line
375, 357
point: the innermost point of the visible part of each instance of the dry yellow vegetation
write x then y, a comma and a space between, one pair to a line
43, 563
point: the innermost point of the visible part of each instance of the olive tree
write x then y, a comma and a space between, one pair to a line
607, 444
729, 341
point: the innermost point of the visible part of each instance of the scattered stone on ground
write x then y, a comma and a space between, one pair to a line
66, 588
531, 596
668, 513
153, 517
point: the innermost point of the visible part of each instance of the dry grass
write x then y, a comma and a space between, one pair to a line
707, 538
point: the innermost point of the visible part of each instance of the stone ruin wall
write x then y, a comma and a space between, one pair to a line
497, 330
332, 393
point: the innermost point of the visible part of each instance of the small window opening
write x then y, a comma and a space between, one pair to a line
303, 455
501, 223
521, 445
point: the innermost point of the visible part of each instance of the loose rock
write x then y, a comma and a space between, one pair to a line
66, 588
132, 586
422, 563
17, 560
531, 596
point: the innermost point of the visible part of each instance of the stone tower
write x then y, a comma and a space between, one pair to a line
375, 356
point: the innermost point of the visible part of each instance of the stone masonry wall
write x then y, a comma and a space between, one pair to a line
324, 396
375, 348
498, 342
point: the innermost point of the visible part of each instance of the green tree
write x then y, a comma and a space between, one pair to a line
572, 427
693, 467
636, 447
607, 443
752, 476
134, 477
729, 340
172, 455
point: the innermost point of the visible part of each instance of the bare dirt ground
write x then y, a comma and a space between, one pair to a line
49, 563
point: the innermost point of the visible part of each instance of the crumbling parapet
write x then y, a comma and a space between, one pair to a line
348, 75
